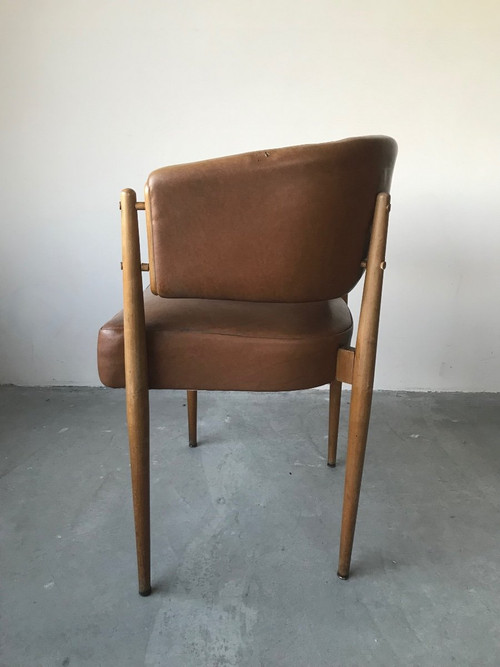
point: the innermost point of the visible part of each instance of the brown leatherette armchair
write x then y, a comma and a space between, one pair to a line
251, 258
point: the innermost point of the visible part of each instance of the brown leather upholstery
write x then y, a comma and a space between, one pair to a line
285, 225
232, 345
249, 255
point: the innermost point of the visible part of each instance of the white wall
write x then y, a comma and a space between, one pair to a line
97, 93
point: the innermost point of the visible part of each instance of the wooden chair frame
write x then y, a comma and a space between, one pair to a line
355, 366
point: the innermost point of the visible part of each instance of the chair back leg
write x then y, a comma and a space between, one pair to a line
333, 421
359, 417
192, 409
362, 380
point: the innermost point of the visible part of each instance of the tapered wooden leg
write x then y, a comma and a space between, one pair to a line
136, 384
356, 446
192, 406
138, 429
362, 380
333, 421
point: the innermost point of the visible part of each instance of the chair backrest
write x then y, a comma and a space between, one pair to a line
289, 224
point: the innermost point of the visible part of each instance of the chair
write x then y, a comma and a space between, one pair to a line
251, 258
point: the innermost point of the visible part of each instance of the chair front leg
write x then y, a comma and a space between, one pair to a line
136, 384
138, 433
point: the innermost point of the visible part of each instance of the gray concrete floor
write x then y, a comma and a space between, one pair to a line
246, 531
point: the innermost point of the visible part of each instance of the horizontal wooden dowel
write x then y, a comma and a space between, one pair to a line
139, 206
144, 266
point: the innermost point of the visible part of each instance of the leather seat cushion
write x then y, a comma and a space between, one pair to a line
231, 345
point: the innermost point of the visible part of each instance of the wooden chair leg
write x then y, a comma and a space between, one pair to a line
136, 385
362, 380
356, 446
333, 421
138, 429
192, 408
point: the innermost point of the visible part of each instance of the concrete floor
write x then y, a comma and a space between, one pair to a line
246, 531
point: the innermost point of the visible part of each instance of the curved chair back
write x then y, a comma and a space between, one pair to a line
285, 225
